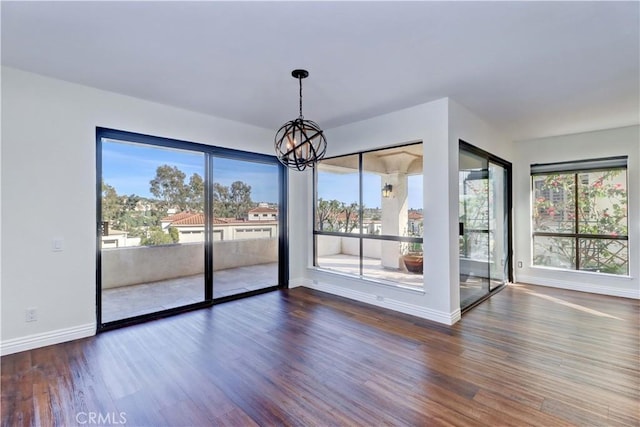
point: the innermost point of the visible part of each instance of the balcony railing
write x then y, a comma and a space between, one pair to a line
144, 264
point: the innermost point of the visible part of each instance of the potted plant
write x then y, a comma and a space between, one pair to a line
412, 257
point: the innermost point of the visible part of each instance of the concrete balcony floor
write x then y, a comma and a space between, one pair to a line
471, 287
128, 301
134, 300
371, 268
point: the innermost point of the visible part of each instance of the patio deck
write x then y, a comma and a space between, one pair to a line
128, 301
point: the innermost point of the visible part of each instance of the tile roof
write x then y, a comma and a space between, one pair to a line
177, 217
197, 219
415, 215
262, 209
191, 219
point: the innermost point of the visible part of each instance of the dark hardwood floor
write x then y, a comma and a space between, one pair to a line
527, 356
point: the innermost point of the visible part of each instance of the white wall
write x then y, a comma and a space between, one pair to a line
438, 124
427, 123
49, 176
589, 145
464, 125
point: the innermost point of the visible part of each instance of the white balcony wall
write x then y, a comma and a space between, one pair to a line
143, 264
336, 245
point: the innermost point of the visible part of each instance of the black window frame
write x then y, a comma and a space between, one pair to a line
210, 152
576, 168
360, 236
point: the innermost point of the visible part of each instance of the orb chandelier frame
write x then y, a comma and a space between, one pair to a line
300, 143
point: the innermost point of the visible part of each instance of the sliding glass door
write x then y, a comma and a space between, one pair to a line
183, 225
245, 213
148, 262
484, 223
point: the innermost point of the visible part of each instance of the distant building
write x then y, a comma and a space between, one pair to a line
111, 238
190, 226
263, 213
414, 223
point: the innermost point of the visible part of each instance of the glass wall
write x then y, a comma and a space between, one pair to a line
368, 215
245, 213
152, 239
182, 225
484, 223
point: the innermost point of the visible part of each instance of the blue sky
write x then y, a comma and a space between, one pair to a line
344, 188
130, 167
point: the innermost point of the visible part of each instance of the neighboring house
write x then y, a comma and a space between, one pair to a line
414, 223
118, 239
263, 213
190, 227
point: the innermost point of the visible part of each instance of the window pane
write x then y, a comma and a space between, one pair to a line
152, 239
554, 252
554, 203
245, 227
338, 253
392, 191
395, 262
475, 245
390, 183
372, 184
604, 256
338, 190
603, 202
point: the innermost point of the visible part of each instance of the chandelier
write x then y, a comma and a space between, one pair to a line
300, 143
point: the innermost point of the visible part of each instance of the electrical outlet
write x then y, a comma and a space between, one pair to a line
519, 264
57, 244
31, 314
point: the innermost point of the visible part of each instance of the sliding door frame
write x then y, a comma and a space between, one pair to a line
209, 152
491, 158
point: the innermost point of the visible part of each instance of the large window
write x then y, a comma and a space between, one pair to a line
368, 215
184, 225
580, 215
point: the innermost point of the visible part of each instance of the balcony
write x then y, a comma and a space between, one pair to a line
146, 279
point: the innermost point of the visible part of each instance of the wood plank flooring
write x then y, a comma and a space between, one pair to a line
527, 356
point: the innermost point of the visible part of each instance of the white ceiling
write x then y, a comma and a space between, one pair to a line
530, 69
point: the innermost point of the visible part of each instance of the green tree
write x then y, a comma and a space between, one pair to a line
349, 218
601, 211
174, 234
326, 214
195, 193
233, 201
130, 202
240, 194
111, 205
155, 236
221, 200
168, 185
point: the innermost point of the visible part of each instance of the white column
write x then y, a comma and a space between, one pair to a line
395, 211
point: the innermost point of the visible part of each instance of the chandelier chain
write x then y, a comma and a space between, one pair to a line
300, 82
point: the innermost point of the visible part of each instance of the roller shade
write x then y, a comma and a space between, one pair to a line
580, 165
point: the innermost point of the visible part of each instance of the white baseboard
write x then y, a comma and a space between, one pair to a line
582, 287
402, 307
299, 281
44, 339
